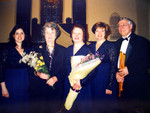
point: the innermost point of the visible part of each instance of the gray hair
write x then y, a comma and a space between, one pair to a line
51, 25
125, 18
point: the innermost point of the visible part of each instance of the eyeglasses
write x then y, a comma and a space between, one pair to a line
123, 25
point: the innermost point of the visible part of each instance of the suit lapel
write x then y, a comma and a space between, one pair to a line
130, 47
128, 51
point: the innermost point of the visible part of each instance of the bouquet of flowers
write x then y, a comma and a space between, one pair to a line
81, 67
35, 60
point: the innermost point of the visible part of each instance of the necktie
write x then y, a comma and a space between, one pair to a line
125, 38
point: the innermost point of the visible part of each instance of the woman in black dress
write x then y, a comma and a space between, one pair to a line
103, 84
41, 85
13, 75
82, 104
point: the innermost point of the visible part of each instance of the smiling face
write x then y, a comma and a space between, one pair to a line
124, 27
19, 36
77, 35
100, 33
50, 35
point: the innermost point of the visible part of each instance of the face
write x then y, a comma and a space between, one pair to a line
50, 34
19, 36
124, 27
100, 33
77, 35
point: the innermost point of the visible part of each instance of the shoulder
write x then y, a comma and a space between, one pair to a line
139, 40
5, 52
60, 46
7, 48
70, 47
60, 49
118, 41
38, 47
92, 43
92, 46
109, 45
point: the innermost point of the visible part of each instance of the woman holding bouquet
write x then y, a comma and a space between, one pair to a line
103, 88
53, 55
82, 102
13, 75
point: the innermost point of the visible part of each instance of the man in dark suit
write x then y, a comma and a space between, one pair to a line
135, 75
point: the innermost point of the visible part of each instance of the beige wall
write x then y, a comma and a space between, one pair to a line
104, 9
97, 10
35, 10
7, 18
142, 18
67, 9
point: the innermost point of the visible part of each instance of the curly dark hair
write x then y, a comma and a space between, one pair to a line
102, 25
11, 39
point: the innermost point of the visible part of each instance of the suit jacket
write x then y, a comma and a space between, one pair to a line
39, 89
138, 63
58, 60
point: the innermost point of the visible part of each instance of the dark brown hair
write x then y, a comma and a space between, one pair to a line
102, 25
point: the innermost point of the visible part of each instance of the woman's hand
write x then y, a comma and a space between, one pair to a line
109, 92
77, 85
5, 92
52, 81
42, 75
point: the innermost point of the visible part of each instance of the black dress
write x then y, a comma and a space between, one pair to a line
42, 93
104, 76
82, 103
16, 77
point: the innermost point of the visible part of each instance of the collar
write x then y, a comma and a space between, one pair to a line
127, 37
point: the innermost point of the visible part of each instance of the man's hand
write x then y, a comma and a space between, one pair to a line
121, 74
124, 71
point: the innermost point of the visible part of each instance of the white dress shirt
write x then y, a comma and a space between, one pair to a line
124, 46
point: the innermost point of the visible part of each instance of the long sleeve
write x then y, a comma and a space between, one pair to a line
138, 62
3, 58
113, 65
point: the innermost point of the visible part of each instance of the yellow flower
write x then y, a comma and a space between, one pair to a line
41, 57
36, 68
38, 62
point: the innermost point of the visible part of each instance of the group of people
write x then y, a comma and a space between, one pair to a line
100, 88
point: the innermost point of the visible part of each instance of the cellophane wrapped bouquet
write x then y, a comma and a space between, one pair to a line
81, 67
35, 60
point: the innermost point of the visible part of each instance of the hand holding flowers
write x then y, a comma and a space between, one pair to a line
52, 81
77, 85
42, 75
35, 60
81, 67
